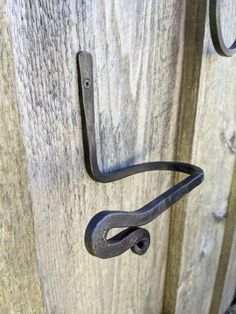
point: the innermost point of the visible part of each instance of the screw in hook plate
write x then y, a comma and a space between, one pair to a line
87, 83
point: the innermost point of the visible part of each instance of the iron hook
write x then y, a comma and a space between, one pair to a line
216, 31
135, 238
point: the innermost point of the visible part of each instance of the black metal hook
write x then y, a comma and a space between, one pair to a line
216, 31
134, 238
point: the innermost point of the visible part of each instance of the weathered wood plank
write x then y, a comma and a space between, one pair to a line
137, 49
203, 212
150, 85
19, 283
192, 59
225, 284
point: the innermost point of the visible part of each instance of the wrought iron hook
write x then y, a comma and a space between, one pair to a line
134, 238
216, 31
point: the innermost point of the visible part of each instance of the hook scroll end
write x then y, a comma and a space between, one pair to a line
142, 246
96, 242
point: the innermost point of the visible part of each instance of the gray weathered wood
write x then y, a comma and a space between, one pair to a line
204, 212
230, 280
161, 93
19, 283
225, 285
137, 60
193, 46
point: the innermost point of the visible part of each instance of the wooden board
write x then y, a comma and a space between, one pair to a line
137, 60
190, 81
161, 93
20, 290
190, 289
228, 294
225, 284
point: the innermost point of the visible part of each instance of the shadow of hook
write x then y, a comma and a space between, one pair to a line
135, 238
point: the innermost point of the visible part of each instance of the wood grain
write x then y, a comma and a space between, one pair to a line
137, 54
191, 71
161, 93
19, 283
204, 212
225, 284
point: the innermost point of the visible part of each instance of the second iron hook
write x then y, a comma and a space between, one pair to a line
216, 31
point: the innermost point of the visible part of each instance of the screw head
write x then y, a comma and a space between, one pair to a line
87, 83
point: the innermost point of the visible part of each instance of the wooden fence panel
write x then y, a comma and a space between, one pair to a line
225, 284
20, 290
137, 49
161, 93
203, 213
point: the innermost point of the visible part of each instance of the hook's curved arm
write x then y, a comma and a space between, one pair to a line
134, 238
216, 31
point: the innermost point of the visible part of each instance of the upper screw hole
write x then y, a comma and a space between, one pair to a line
87, 83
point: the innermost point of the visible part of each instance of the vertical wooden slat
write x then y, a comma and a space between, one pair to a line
137, 50
225, 283
20, 290
229, 291
202, 221
159, 86
195, 16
